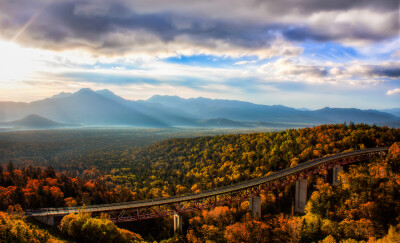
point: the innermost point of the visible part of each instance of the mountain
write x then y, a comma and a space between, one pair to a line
61, 95
165, 114
104, 108
222, 122
235, 110
340, 115
85, 107
393, 111
249, 112
303, 109
32, 121
90, 108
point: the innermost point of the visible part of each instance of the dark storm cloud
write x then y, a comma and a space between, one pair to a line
390, 72
302, 33
61, 24
339, 31
311, 6
61, 20
123, 26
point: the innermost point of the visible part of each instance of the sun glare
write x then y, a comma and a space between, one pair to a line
16, 63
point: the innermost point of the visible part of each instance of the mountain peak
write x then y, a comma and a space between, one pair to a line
164, 98
105, 91
61, 95
32, 116
110, 95
84, 91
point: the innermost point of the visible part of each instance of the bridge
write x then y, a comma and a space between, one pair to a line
178, 205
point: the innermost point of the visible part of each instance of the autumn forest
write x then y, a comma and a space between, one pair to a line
364, 207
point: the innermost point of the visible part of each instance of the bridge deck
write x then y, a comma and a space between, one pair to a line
204, 194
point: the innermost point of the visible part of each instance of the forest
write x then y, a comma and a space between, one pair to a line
364, 207
75, 150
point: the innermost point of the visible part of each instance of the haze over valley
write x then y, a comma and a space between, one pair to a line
103, 108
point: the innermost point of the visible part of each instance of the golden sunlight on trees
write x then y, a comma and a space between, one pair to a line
248, 231
13, 228
365, 206
83, 228
394, 156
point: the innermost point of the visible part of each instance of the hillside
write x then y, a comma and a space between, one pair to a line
195, 164
365, 206
32, 122
354, 115
184, 165
345, 213
394, 111
221, 122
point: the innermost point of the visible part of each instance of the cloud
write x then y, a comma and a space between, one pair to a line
393, 92
155, 27
245, 62
288, 70
396, 54
384, 70
353, 73
116, 29
351, 27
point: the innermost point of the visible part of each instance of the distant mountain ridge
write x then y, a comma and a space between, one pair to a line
235, 110
394, 111
104, 108
355, 115
249, 112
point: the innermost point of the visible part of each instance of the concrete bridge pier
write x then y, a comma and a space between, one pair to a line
335, 178
47, 220
300, 196
178, 221
255, 206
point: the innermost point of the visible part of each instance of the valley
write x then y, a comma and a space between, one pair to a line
83, 168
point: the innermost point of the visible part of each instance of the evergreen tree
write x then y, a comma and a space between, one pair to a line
10, 168
1, 176
49, 172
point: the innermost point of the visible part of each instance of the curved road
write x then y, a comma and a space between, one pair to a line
205, 194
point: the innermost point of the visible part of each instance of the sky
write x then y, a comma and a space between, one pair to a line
308, 53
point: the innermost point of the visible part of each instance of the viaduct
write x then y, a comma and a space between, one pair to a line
178, 205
